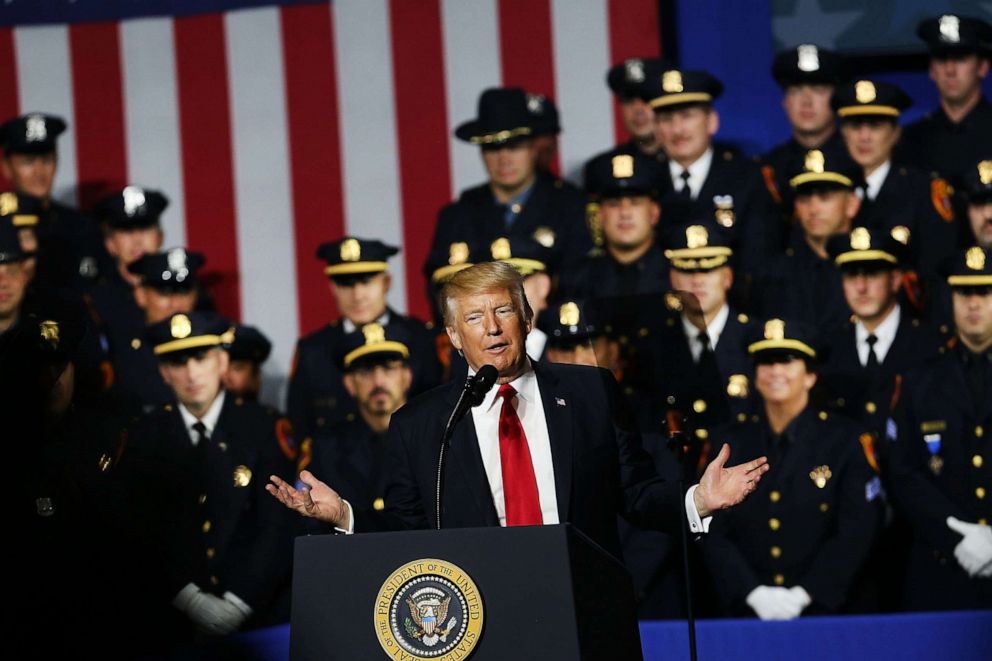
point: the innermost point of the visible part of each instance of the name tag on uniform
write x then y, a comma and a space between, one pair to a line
933, 425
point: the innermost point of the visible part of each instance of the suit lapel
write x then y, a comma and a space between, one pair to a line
465, 454
558, 414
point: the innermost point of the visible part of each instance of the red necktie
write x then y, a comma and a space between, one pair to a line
523, 507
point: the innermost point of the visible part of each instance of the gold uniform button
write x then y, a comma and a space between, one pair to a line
779, 579
135, 343
702, 434
515, 208
774, 524
211, 552
979, 432
202, 499
774, 496
983, 522
742, 417
378, 504
976, 461
214, 580
699, 406
824, 507
980, 492
822, 415
870, 407
776, 552
206, 527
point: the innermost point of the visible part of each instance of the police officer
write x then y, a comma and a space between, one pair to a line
70, 250
706, 181
952, 138
977, 193
210, 550
623, 189
797, 545
546, 129
168, 284
24, 211
14, 276
359, 279
895, 194
941, 455
375, 363
807, 75
803, 283
249, 350
624, 80
515, 202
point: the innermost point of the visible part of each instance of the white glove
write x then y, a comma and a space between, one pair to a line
244, 610
776, 603
208, 612
974, 551
801, 596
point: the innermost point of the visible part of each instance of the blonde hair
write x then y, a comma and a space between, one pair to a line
487, 276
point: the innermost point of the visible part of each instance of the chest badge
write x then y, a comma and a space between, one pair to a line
242, 476
820, 476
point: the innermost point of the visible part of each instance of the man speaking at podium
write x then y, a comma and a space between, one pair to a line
547, 445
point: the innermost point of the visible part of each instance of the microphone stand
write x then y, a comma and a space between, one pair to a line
677, 441
449, 429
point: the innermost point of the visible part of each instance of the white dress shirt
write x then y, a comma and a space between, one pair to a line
886, 334
209, 418
535, 343
697, 173
713, 329
874, 181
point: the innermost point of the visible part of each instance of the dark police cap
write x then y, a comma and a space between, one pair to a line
673, 88
503, 118
951, 34
10, 243
445, 261
825, 170
249, 344
350, 256
869, 99
21, 209
544, 115
780, 337
698, 246
971, 267
521, 252
616, 174
133, 207
867, 249
808, 63
185, 333
373, 344
978, 182
172, 270
572, 321
626, 78
34, 133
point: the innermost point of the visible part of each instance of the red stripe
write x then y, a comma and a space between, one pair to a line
418, 80
101, 157
633, 33
314, 152
9, 102
527, 47
208, 171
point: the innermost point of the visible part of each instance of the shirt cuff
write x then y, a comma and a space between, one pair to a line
350, 529
696, 524
184, 596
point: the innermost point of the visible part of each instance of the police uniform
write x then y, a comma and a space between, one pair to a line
733, 192
941, 466
193, 501
624, 80
976, 190
137, 385
934, 143
812, 519
71, 251
806, 64
616, 174
908, 199
800, 284
551, 211
317, 397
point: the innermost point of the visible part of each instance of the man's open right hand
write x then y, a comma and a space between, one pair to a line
317, 501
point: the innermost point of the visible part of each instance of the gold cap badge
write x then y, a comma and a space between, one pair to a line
351, 250
860, 239
696, 236
500, 248
457, 253
864, 91
671, 81
8, 203
180, 326
975, 258
623, 166
568, 314
984, 172
774, 329
814, 161
50, 332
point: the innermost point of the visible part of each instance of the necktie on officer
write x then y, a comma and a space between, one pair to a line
685, 192
872, 363
520, 498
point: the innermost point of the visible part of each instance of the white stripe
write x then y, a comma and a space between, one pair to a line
44, 81
471, 64
266, 251
151, 116
581, 60
363, 53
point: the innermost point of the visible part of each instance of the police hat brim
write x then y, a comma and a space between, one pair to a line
368, 355
765, 350
810, 182
474, 133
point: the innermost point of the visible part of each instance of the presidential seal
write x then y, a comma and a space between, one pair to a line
428, 609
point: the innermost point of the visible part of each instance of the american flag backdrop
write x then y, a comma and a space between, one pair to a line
276, 126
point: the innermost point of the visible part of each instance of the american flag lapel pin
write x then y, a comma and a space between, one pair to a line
559, 401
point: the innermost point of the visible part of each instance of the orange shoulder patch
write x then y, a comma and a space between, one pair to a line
768, 173
940, 195
868, 446
305, 456
284, 434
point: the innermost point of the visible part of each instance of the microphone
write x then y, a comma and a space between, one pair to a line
473, 392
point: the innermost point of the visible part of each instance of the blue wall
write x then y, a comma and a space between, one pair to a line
732, 39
